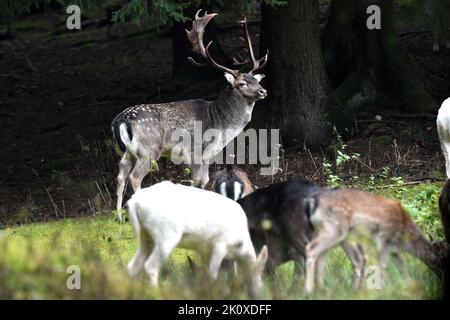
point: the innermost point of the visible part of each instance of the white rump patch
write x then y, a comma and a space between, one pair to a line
223, 189
237, 190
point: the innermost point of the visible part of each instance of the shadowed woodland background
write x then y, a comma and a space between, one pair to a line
60, 89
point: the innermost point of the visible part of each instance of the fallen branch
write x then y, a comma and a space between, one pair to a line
414, 116
380, 121
10, 75
30, 65
53, 128
409, 183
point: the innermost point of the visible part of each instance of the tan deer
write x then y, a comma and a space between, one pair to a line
145, 132
340, 213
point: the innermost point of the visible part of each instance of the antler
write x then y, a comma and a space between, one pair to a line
195, 36
257, 63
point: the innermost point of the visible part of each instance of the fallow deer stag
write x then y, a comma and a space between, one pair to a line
143, 132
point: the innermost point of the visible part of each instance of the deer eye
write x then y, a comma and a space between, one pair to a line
242, 84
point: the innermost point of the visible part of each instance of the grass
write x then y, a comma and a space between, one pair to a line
34, 259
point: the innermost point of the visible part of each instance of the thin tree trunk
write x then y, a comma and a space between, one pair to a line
372, 63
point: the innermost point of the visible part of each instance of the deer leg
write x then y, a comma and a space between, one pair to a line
200, 174
299, 266
137, 263
326, 240
160, 253
356, 255
446, 152
195, 174
218, 254
383, 256
125, 166
310, 268
142, 167
321, 270
205, 174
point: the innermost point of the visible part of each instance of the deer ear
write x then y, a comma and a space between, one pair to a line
262, 257
230, 78
259, 77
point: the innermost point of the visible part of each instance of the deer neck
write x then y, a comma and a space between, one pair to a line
423, 249
230, 110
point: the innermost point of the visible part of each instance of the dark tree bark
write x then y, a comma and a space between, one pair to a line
300, 97
338, 40
181, 49
372, 63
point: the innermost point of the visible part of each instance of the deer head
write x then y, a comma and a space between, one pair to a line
246, 84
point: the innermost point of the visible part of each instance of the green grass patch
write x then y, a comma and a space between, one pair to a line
34, 260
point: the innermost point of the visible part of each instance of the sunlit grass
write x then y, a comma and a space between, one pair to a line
34, 259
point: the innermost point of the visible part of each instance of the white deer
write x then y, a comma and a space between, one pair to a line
197, 219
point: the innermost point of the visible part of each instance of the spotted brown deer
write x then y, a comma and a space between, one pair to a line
339, 213
144, 132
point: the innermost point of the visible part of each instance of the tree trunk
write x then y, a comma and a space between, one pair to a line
300, 97
338, 39
372, 65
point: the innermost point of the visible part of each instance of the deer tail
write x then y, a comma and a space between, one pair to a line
122, 134
310, 205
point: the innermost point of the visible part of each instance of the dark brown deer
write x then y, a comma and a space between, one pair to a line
145, 132
279, 217
444, 208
